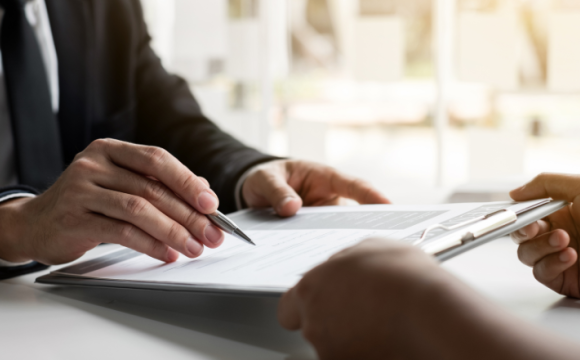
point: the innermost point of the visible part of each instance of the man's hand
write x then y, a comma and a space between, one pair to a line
286, 185
550, 245
116, 192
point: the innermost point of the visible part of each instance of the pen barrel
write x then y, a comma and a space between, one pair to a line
222, 222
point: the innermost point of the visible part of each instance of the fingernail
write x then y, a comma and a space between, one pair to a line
195, 249
564, 256
171, 255
213, 234
520, 188
522, 233
207, 201
283, 203
554, 240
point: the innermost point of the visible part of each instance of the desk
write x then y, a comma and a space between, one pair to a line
46, 322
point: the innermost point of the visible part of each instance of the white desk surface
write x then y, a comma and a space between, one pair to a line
46, 322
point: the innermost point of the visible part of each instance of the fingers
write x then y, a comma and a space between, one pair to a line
531, 231
532, 251
281, 196
288, 310
556, 186
166, 201
549, 271
140, 213
122, 233
160, 164
356, 189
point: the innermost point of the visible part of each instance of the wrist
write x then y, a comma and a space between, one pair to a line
13, 246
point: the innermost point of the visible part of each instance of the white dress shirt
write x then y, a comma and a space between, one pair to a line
38, 18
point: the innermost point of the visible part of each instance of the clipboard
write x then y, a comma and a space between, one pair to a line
489, 227
456, 240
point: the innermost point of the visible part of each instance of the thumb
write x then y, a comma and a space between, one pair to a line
556, 186
274, 188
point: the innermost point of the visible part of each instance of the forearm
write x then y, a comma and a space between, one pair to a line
457, 323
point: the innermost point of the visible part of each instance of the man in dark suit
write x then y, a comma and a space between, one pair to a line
104, 81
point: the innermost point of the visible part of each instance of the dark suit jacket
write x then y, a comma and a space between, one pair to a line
113, 85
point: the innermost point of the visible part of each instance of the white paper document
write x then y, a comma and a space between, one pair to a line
286, 247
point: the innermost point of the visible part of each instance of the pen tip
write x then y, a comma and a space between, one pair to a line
243, 236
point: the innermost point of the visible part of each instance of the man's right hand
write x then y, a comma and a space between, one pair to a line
550, 245
116, 192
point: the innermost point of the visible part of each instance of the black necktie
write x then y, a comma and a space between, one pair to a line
36, 135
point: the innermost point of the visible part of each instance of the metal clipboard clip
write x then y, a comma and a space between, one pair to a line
481, 225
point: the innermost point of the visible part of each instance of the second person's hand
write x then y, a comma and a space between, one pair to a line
116, 192
550, 245
384, 299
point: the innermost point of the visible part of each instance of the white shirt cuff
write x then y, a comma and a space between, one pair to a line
16, 196
4, 263
238, 188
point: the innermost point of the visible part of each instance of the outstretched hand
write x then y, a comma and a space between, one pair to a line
287, 185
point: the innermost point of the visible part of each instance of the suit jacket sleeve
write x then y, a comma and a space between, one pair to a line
168, 116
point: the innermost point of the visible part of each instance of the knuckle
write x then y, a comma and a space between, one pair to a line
203, 180
155, 156
352, 186
154, 190
542, 177
187, 180
195, 222
135, 205
359, 184
522, 255
262, 172
79, 156
100, 144
156, 247
126, 231
84, 164
538, 272
197, 181
175, 232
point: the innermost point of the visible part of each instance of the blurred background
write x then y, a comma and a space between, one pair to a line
429, 100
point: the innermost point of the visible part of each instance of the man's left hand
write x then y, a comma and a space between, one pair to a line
286, 185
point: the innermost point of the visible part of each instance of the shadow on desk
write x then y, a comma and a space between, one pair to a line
564, 318
248, 320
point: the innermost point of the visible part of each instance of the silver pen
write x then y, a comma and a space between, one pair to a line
228, 226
